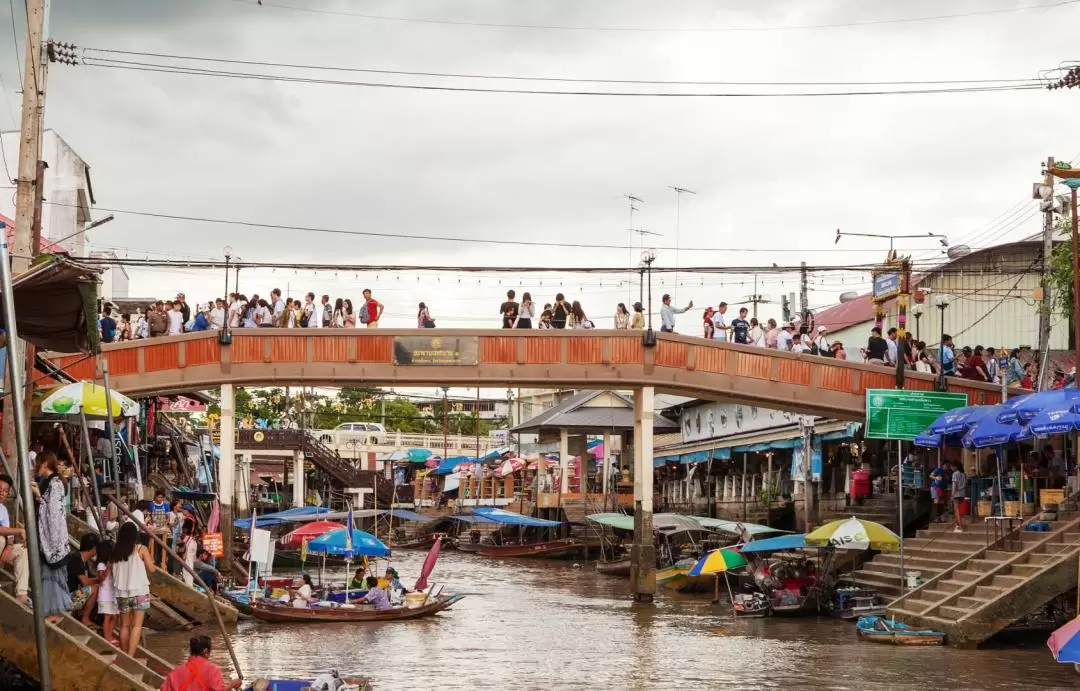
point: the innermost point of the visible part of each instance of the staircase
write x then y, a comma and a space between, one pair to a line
883, 509
933, 550
983, 592
342, 471
79, 658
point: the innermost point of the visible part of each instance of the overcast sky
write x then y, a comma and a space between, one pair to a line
771, 174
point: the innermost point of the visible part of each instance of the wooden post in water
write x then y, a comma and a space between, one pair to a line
227, 473
643, 551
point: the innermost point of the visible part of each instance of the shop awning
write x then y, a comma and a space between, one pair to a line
510, 518
775, 544
298, 514
56, 304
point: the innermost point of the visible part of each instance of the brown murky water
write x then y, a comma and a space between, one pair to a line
548, 625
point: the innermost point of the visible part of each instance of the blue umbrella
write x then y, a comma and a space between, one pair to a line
1010, 408
1034, 404
958, 419
417, 455
1060, 419
933, 441
334, 543
990, 432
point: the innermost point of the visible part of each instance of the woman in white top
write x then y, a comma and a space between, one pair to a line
130, 564
757, 334
303, 594
236, 309
622, 318
140, 328
176, 320
526, 313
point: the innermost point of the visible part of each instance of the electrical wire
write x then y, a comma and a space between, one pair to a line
464, 75
428, 238
139, 66
659, 29
15, 40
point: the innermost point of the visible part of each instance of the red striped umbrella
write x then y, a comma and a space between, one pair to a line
309, 531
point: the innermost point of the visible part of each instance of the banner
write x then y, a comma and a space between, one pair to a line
181, 404
213, 544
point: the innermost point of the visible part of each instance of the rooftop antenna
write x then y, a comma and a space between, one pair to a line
679, 192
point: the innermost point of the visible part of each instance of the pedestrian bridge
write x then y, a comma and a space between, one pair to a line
585, 359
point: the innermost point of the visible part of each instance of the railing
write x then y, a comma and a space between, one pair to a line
403, 440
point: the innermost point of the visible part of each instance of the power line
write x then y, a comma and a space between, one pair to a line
15, 39
138, 66
658, 29
528, 78
407, 236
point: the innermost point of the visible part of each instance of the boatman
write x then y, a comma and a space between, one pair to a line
198, 672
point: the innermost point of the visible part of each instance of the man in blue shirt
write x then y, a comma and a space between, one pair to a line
939, 483
948, 358
107, 325
740, 328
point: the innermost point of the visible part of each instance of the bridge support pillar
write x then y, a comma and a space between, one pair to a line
299, 490
226, 472
605, 469
643, 551
564, 461
242, 503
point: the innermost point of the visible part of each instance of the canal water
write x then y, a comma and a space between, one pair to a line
548, 625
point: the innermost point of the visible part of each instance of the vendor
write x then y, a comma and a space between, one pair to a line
393, 583
303, 596
357, 581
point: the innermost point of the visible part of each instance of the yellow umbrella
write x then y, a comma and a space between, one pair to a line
87, 398
854, 533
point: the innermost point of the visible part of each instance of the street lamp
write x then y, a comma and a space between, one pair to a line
942, 302
228, 255
237, 282
916, 311
647, 258
445, 422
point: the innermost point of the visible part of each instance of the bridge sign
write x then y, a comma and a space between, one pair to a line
436, 350
901, 414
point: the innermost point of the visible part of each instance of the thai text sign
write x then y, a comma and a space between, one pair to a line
436, 350
900, 414
213, 544
886, 285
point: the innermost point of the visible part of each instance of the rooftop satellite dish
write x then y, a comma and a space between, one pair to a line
849, 296
958, 251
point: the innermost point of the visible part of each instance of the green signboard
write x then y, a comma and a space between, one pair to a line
900, 414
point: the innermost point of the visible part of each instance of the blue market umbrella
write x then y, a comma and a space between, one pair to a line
417, 455
1061, 419
959, 419
933, 441
1034, 404
335, 542
990, 432
1010, 409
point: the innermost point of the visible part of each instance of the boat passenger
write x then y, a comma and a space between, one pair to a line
302, 595
376, 595
393, 582
198, 672
357, 581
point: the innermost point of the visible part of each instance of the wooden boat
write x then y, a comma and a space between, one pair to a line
422, 542
853, 603
790, 603
281, 613
881, 630
749, 605
677, 577
551, 548
615, 567
350, 684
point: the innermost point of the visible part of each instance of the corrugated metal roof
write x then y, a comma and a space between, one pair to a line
573, 413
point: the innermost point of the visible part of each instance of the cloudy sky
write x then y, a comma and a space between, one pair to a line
776, 175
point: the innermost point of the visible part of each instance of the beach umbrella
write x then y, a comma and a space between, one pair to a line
417, 455
1060, 419
1064, 643
510, 466
1010, 409
718, 561
429, 565
854, 533
334, 543
87, 398
309, 531
989, 432
958, 419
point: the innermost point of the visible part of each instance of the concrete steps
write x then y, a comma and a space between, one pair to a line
984, 592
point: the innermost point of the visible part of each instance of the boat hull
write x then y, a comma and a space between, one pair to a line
878, 630
554, 548
679, 578
280, 614
618, 567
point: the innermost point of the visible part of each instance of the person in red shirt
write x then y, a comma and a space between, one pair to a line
374, 309
198, 673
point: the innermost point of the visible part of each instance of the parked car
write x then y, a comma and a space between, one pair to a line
368, 432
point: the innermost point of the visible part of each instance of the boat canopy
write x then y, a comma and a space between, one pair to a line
297, 514
510, 518
619, 521
405, 515
671, 522
735, 527
470, 518
775, 544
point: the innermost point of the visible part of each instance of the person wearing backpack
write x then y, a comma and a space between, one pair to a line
371, 310
308, 318
325, 312
821, 344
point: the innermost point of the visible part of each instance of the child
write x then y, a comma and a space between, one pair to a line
106, 603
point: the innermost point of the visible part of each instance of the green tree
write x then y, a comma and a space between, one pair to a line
1061, 273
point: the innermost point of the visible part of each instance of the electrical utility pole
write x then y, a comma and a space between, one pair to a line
1046, 306
756, 298
630, 265
804, 299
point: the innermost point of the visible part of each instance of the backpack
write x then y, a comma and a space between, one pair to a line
365, 314
305, 318
326, 317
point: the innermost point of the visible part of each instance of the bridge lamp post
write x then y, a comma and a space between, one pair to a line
445, 421
227, 251
647, 258
942, 302
916, 311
